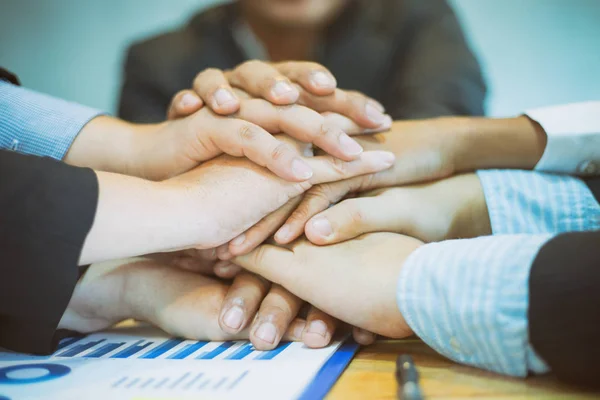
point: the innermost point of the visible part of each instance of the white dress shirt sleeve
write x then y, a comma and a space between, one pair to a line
573, 138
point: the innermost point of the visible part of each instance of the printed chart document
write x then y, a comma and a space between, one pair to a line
144, 363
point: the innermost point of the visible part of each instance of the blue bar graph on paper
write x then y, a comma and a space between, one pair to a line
241, 352
162, 349
209, 355
79, 349
131, 350
271, 354
187, 350
104, 350
67, 342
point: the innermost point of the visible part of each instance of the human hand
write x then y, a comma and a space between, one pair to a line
425, 150
354, 281
450, 208
180, 145
227, 184
305, 83
180, 302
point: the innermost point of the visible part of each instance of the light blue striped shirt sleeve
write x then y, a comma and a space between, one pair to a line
536, 202
38, 124
468, 300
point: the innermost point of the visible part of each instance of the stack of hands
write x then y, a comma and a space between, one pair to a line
342, 220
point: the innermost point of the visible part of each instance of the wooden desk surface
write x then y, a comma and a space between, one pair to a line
371, 376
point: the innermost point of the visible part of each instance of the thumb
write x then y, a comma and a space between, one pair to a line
184, 103
352, 218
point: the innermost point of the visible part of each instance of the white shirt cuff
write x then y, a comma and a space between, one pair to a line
573, 131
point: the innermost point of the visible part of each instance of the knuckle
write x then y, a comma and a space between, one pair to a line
248, 133
279, 151
301, 213
354, 211
206, 75
339, 166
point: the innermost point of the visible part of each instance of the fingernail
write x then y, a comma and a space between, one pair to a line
301, 169
282, 88
386, 158
378, 105
238, 241
189, 100
267, 332
299, 329
283, 233
374, 114
321, 79
387, 123
318, 327
234, 317
322, 227
350, 146
223, 96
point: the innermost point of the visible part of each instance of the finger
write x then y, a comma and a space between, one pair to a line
214, 89
319, 330
295, 330
313, 77
244, 139
303, 124
351, 127
276, 313
194, 264
226, 270
363, 110
184, 103
241, 302
260, 79
266, 261
223, 253
317, 199
352, 218
330, 169
363, 337
256, 235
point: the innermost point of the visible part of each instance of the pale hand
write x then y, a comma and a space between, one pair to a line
450, 208
354, 281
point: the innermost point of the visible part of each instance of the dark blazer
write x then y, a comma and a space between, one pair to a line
46, 211
411, 55
564, 304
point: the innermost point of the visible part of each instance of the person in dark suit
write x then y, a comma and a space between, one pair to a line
409, 55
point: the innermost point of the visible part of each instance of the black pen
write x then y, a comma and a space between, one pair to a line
408, 379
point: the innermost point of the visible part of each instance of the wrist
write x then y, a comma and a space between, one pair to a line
136, 217
470, 217
105, 144
486, 143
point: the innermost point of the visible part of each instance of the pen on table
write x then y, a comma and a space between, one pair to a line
408, 379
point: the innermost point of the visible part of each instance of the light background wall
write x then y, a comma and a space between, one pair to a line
534, 52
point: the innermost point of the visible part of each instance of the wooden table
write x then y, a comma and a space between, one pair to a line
371, 376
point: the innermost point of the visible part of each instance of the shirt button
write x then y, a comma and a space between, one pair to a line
589, 168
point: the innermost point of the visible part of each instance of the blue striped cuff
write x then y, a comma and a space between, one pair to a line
468, 300
38, 124
536, 202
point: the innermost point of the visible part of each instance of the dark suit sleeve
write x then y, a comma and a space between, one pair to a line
594, 185
141, 99
437, 74
564, 307
46, 211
